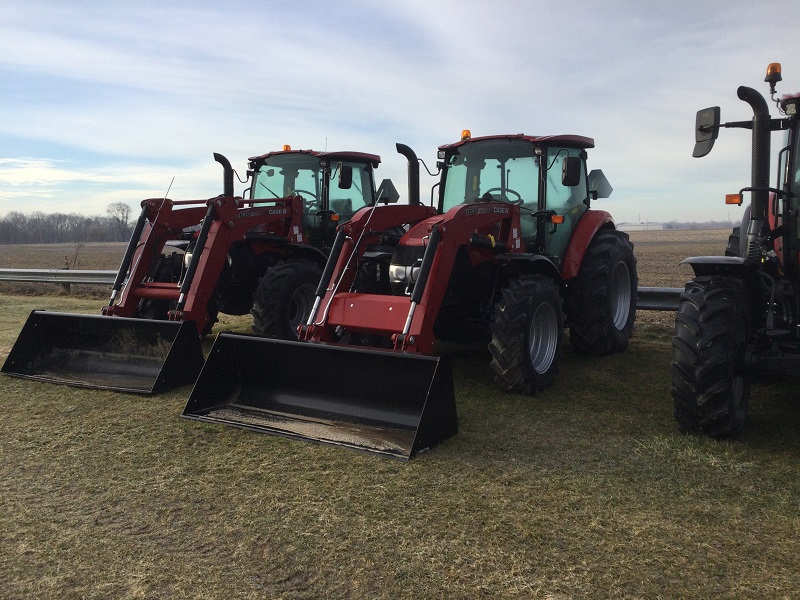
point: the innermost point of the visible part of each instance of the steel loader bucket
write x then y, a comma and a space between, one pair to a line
116, 353
378, 401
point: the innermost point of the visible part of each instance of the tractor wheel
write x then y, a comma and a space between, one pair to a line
734, 242
284, 298
601, 300
737, 240
526, 334
709, 387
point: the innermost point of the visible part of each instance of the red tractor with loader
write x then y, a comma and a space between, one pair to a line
189, 260
739, 318
511, 253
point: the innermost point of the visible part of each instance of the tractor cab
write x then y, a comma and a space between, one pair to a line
545, 176
333, 186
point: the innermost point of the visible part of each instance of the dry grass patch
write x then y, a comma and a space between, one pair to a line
585, 490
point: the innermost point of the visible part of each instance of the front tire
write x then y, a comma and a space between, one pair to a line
601, 300
709, 387
526, 334
284, 298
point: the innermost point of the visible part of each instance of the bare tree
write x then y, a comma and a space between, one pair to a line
120, 213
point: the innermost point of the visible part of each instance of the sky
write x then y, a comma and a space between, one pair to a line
104, 102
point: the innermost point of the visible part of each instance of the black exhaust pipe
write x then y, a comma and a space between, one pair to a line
227, 176
413, 173
759, 178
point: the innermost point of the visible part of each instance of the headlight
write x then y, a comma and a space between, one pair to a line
404, 268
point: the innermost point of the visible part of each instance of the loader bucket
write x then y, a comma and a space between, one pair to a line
116, 353
378, 401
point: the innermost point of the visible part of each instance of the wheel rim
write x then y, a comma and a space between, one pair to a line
300, 306
620, 295
543, 338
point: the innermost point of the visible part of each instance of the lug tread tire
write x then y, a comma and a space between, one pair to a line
709, 391
272, 301
590, 297
510, 329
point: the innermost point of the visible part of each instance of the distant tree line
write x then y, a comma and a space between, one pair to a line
704, 225
59, 228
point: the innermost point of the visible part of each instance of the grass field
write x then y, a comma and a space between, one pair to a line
585, 490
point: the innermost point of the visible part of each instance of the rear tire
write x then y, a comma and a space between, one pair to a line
284, 298
709, 387
734, 242
526, 334
601, 300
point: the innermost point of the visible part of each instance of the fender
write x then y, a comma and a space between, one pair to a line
731, 266
589, 224
308, 252
529, 263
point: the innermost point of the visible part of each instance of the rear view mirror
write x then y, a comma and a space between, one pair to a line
386, 193
706, 129
345, 177
599, 186
571, 168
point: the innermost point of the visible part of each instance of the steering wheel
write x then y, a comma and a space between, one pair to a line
307, 204
502, 195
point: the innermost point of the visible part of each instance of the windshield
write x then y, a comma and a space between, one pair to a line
794, 170
504, 170
347, 200
302, 175
288, 175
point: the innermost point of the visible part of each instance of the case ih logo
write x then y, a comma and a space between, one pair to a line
243, 214
481, 210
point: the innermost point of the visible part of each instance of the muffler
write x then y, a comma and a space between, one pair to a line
142, 356
384, 402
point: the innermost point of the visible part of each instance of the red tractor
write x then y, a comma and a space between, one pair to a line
740, 315
189, 260
511, 253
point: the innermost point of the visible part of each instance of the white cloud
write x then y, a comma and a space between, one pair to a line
120, 98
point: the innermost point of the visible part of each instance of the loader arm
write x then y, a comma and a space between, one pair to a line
222, 221
486, 228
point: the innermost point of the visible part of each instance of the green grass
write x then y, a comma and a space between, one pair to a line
585, 490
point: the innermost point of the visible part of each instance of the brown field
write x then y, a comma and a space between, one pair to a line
659, 254
583, 491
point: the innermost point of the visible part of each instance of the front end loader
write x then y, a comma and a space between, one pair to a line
511, 254
189, 260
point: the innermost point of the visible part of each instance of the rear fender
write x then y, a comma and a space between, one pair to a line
589, 224
728, 266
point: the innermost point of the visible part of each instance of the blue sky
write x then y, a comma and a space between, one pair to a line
106, 102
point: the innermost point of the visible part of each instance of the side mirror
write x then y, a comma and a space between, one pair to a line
345, 177
598, 184
386, 193
706, 129
571, 168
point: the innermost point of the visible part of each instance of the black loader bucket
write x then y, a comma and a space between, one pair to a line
378, 401
116, 353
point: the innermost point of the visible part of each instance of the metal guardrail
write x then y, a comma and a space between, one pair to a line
63, 276
648, 298
652, 298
